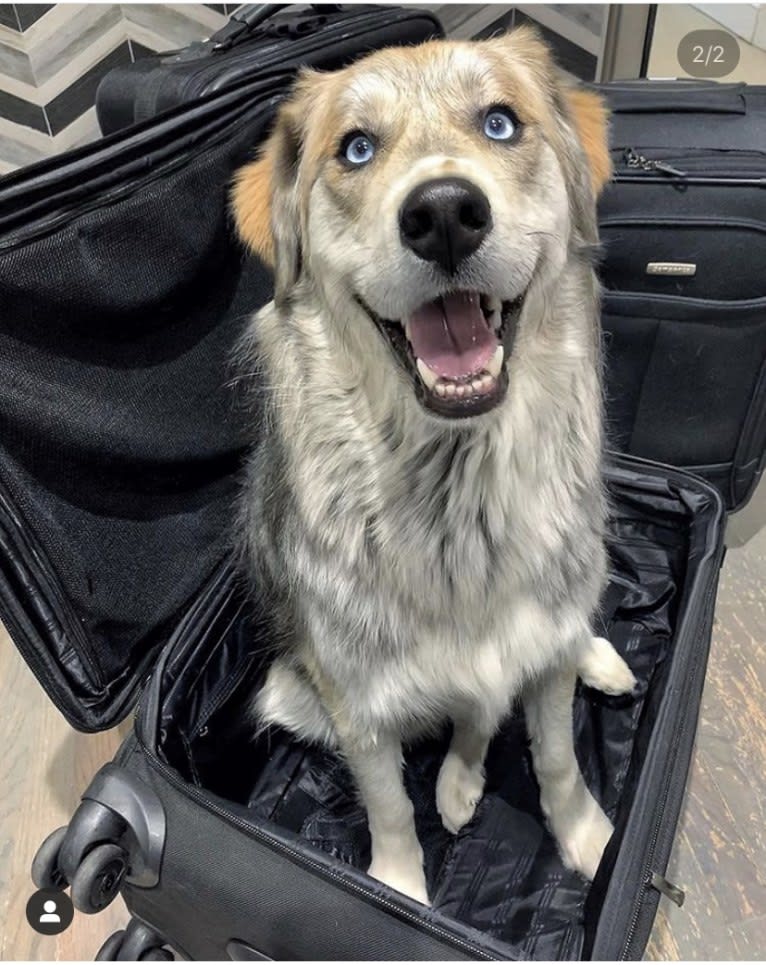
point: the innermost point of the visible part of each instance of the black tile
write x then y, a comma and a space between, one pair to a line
81, 95
220, 7
577, 61
8, 16
19, 111
499, 26
29, 13
571, 57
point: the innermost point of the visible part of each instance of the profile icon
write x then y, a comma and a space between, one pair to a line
49, 911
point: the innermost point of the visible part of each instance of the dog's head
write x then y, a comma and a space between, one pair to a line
429, 187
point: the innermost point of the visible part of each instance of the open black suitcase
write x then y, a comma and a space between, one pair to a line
122, 290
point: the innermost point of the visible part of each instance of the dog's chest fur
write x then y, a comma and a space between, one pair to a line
420, 565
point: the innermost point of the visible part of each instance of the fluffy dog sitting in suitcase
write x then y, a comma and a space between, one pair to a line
426, 506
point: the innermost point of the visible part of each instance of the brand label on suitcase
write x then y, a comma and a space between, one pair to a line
671, 268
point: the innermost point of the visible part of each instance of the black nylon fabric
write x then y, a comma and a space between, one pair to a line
119, 445
502, 875
218, 883
685, 372
122, 294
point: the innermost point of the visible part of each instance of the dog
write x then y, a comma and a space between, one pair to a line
425, 506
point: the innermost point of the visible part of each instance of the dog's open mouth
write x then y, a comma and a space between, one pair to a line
455, 347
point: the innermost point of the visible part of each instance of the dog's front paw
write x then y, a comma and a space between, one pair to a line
402, 873
601, 667
458, 791
582, 836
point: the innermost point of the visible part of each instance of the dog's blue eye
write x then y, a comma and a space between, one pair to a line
359, 149
499, 125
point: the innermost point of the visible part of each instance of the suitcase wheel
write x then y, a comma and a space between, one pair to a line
46, 872
117, 833
138, 943
110, 948
97, 880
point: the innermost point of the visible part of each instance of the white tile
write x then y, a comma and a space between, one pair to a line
739, 18
177, 24
60, 51
759, 37
28, 136
14, 64
674, 21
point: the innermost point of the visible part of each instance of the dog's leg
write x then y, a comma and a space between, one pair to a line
397, 858
288, 699
460, 784
576, 820
601, 667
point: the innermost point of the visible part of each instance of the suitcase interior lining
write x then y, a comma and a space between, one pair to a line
502, 874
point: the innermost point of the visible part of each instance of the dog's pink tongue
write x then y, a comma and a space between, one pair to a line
452, 336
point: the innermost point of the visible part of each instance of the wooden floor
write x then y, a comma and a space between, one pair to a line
720, 850
720, 853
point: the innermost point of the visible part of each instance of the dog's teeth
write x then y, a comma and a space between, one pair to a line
440, 388
494, 304
496, 362
477, 385
427, 375
487, 382
407, 329
450, 389
461, 390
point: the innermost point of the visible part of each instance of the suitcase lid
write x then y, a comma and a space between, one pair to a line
122, 293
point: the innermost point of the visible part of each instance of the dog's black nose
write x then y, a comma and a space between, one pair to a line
445, 220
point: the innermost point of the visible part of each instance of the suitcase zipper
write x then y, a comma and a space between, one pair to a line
672, 782
299, 858
40, 574
171, 156
725, 168
639, 161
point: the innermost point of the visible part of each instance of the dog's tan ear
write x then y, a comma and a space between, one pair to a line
251, 204
591, 120
264, 197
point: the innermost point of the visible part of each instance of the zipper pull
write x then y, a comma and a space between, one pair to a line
667, 888
637, 161
668, 169
632, 159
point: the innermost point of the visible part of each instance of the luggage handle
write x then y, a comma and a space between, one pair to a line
696, 101
249, 17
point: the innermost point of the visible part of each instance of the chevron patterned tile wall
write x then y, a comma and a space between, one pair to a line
52, 57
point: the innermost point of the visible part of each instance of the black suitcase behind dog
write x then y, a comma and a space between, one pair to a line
258, 37
683, 226
123, 290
